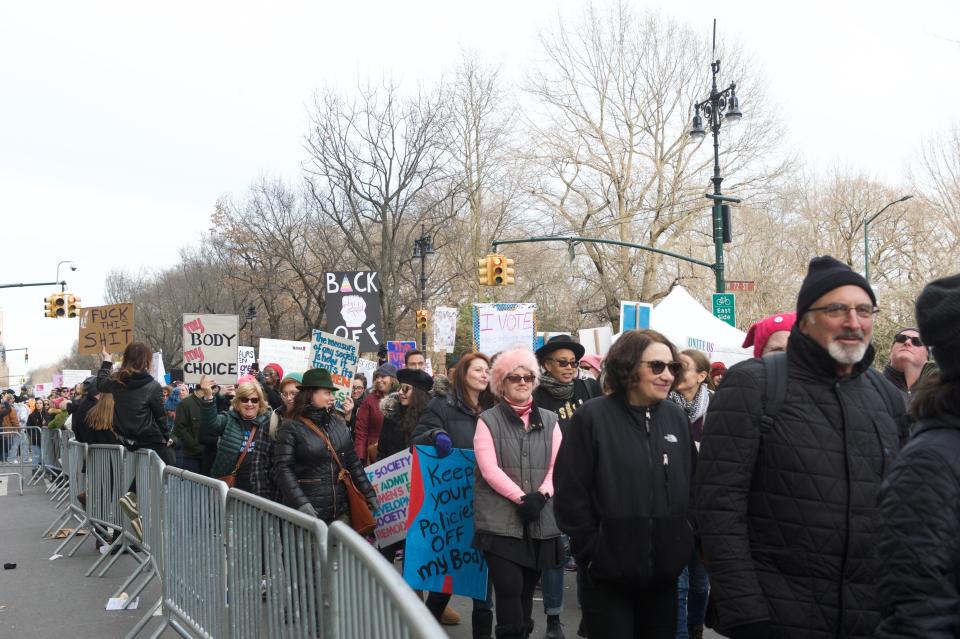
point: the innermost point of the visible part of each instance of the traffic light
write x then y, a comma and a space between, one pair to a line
508, 272
501, 270
55, 305
26, 356
72, 305
422, 319
483, 272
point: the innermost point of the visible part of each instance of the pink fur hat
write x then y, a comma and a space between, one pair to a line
509, 361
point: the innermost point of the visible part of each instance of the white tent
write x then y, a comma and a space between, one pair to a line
689, 325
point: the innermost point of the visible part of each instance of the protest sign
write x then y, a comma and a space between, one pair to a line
73, 377
57, 380
368, 368
353, 307
42, 390
444, 328
634, 316
596, 340
438, 556
390, 478
396, 351
498, 327
246, 356
210, 347
157, 371
109, 327
337, 355
293, 357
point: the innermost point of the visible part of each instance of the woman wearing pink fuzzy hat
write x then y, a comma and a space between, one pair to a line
516, 445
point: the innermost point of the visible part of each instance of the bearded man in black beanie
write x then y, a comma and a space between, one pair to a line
787, 480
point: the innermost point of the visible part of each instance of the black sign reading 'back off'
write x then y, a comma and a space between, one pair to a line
353, 307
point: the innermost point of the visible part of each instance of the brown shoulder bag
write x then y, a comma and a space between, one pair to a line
361, 519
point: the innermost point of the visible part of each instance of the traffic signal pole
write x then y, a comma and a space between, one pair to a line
63, 285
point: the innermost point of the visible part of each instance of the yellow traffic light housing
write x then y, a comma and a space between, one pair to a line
48, 306
496, 269
483, 272
55, 305
422, 319
72, 305
508, 273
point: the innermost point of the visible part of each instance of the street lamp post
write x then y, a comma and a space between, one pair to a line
73, 267
719, 103
251, 316
422, 247
866, 235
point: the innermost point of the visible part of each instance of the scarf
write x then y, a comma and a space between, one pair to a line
556, 388
696, 408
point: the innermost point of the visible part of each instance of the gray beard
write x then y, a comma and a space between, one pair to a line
847, 355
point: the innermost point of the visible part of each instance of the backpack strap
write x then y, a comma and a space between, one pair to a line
775, 391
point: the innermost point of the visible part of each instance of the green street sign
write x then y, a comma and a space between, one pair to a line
725, 308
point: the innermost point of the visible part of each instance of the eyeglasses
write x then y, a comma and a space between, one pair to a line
564, 363
248, 400
516, 379
289, 394
657, 367
863, 311
903, 339
405, 388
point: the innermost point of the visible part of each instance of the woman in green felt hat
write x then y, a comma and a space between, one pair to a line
304, 470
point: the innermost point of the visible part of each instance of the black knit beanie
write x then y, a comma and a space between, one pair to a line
823, 275
938, 317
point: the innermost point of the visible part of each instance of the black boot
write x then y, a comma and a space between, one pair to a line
695, 631
554, 628
482, 624
511, 632
528, 629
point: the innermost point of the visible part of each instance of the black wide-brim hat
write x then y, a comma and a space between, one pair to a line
557, 342
317, 378
416, 378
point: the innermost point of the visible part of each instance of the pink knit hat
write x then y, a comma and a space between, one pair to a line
761, 331
593, 360
246, 378
509, 361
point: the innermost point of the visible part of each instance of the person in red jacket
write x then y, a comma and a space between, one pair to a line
369, 418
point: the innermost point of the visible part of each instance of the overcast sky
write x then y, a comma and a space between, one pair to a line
121, 123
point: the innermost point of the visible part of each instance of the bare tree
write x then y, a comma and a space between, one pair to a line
610, 134
378, 172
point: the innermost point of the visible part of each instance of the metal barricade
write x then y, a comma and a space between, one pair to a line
11, 455
146, 467
107, 480
368, 597
275, 560
194, 558
50, 449
65, 437
74, 461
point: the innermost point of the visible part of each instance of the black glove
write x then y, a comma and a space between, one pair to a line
758, 630
532, 504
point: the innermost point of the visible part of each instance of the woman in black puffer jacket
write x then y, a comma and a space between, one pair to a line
303, 469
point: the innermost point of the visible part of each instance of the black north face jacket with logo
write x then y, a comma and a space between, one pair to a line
789, 520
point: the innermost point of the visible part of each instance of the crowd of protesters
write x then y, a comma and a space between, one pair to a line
801, 493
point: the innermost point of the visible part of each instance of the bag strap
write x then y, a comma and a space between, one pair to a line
326, 440
775, 392
243, 451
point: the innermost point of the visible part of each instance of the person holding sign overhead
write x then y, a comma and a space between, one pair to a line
241, 431
304, 467
516, 444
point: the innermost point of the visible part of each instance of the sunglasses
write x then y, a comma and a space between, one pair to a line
405, 388
564, 363
656, 367
248, 400
516, 379
903, 339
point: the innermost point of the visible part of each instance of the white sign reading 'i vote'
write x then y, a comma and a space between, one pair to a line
210, 347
